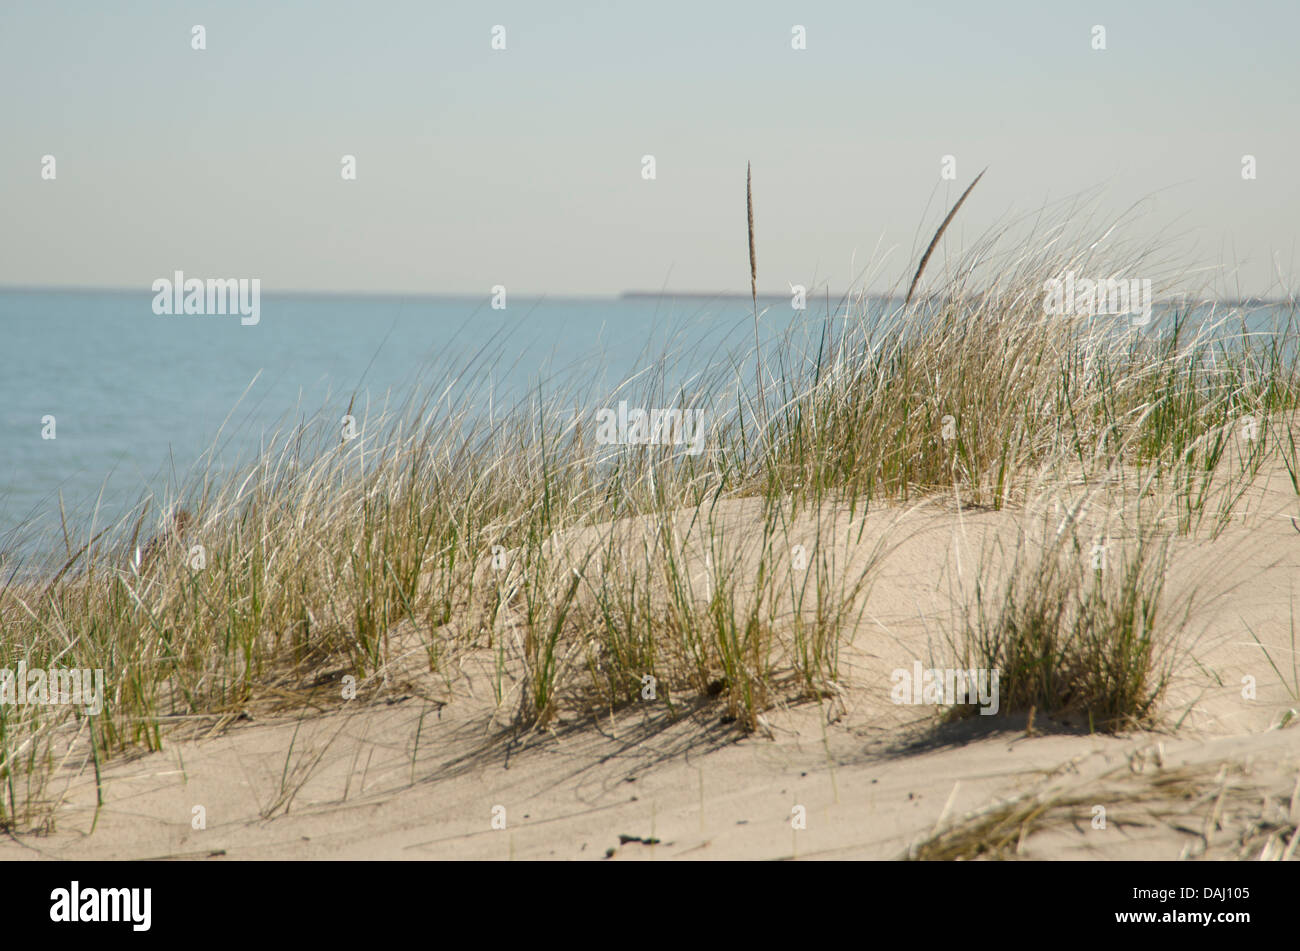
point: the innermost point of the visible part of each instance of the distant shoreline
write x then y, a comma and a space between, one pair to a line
727, 296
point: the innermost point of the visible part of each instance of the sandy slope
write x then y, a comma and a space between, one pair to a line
873, 778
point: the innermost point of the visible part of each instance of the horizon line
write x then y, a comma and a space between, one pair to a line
728, 296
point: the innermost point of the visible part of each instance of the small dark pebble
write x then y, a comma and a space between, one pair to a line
648, 840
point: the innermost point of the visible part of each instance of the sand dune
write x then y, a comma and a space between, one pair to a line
435, 771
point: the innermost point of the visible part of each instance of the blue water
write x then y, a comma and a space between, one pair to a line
137, 397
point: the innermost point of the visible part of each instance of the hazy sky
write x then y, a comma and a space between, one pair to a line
523, 167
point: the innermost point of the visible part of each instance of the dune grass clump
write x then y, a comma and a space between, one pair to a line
980, 395
694, 605
1078, 630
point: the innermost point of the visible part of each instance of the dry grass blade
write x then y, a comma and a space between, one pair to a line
749, 214
925, 258
753, 275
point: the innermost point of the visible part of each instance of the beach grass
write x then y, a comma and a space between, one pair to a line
593, 572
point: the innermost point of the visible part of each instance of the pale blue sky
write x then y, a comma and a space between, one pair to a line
522, 167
